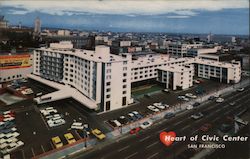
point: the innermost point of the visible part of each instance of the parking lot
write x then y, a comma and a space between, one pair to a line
34, 129
166, 98
36, 133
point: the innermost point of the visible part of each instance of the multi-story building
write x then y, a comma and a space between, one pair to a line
98, 75
105, 79
179, 49
193, 52
15, 66
176, 77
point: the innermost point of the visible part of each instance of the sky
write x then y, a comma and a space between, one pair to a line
174, 16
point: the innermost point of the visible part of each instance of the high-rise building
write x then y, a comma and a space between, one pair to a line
37, 28
3, 22
233, 39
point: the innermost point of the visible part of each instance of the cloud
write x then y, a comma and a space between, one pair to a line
177, 16
124, 7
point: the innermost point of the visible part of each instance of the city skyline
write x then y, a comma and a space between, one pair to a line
219, 17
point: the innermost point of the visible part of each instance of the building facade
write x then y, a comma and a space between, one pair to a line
98, 75
15, 66
107, 78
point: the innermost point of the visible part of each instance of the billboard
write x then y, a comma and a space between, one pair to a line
14, 61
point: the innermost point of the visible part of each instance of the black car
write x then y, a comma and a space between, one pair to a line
211, 98
169, 115
123, 120
196, 104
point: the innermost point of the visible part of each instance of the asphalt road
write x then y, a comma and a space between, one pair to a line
147, 145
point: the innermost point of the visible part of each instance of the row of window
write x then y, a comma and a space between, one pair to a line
10, 77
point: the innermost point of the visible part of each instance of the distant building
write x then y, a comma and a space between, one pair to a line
37, 27
14, 66
3, 23
200, 51
179, 49
63, 32
209, 37
233, 40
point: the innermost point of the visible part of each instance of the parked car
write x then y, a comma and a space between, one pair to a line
169, 115
166, 90
135, 130
190, 95
153, 108
189, 107
219, 100
205, 127
216, 95
57, 142
123, 120
183, 98
98, 134
70, 138
132, 116
138, 115
146, 124
240, 89
197, 116
232, 103
211, 98
117, 123
196, 104
159, 105
197, 81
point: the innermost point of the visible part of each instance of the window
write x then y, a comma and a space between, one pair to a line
124, 68
108, 64
108, 90
124, 86
107, 105
125, 62
124, 101
108, 96
124, 74
124, 92
108, 77
108, 70
124, 80
108, 84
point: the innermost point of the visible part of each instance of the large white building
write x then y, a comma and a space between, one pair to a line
102, 77
103, 80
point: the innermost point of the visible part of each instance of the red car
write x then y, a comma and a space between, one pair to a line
135, 130
205, 127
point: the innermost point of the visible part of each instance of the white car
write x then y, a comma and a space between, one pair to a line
117, 123
216, 95
190, 95
159, 105
77, 125
183, 98
166, 105
189, 107
197, 81
240, 89
153, 108
219, 100
166, 90
146, 124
